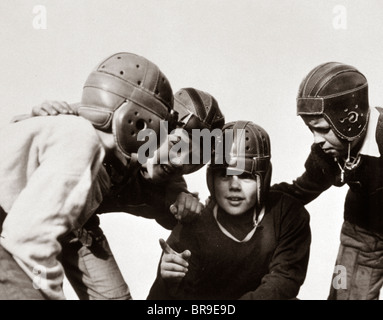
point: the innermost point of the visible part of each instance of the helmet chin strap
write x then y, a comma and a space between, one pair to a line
350, 163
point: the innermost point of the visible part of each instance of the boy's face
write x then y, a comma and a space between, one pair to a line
325, 136
169, 161
235, 194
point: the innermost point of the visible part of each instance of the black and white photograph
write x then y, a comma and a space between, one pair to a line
216, 150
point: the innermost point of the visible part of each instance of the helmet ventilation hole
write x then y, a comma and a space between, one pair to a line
139, 82
121, 72
137, 65
140, 125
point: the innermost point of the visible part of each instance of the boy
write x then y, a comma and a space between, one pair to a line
348, 144
52, 176
248, 243
149, 192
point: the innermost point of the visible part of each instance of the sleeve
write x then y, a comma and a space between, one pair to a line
320, 173
52, 201
145, 199
288, 266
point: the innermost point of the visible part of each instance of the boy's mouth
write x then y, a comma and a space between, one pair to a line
234, 198
235, 201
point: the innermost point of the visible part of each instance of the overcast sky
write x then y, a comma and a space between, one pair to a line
250, 54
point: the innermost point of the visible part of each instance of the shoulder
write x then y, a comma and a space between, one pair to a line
69, 137
53, 124
68, 130
75, 124
47, 129
277, 197
286, 206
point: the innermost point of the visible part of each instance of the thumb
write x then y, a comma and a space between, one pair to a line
173, 209
195, 194
165, 247
186, 255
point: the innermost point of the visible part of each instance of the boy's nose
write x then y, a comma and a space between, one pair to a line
176, 161
318, 138
234, 183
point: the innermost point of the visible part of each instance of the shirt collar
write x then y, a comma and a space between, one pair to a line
370, 146
249, 235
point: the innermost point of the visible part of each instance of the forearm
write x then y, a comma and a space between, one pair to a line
143, 198
320, 174
304, 189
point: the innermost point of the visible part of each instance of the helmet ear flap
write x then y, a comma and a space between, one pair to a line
263, 186
129, 120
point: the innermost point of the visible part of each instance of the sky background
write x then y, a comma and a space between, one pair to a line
251, 55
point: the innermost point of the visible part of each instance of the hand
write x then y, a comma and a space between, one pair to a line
186, 207
173, 265
53, 108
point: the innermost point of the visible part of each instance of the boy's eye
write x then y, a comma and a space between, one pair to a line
320, 130
223, 174
246, 176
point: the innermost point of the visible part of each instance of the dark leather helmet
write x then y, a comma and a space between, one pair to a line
245, 147
339, 93
125, 94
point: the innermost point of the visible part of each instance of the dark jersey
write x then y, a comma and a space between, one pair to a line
271, 265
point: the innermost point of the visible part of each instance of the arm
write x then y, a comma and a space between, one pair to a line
288, 266
52, 108
320, 174
140, 197
48, 108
